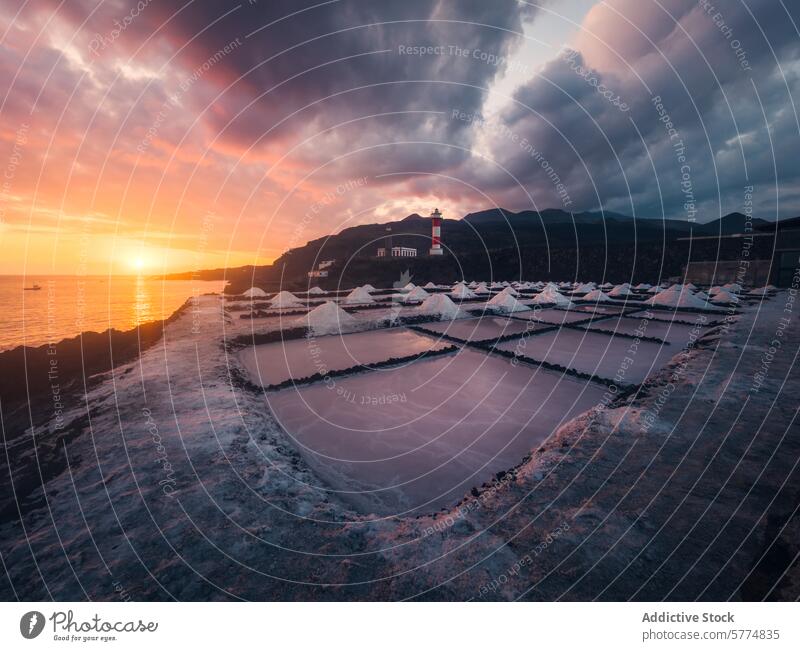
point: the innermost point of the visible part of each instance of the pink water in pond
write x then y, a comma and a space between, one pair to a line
594, 353
643, 325
487, 327
299, 358
416, 439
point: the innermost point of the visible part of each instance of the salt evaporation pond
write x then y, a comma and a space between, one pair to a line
554, 316
600, 309
480, 329
299, 358
678, 334
417, 438
598, 354
681, 315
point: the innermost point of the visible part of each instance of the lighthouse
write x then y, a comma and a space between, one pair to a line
436, 233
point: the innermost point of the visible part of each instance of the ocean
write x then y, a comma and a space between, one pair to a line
65, 306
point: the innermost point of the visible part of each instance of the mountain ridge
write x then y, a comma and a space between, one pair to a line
498, 240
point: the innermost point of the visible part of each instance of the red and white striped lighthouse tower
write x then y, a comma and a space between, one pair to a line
436, 233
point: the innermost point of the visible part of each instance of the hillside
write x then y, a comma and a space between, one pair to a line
498, 243
734, 222
481, 241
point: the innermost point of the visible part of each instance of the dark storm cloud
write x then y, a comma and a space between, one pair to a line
173, 92
712, 69
297, 70
302, 68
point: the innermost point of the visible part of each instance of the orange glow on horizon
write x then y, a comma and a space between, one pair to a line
39, 251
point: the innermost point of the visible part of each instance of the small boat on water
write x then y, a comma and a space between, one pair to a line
32, 288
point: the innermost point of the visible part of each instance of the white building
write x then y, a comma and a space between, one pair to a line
322, 269
399, 252
403, 252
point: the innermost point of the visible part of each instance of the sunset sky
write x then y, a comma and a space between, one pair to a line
172, 135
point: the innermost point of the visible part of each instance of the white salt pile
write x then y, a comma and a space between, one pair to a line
429, 285
606, 286
561, 301
368, 287
723, 297
415, 295
678, 299
327, 319
316, 290
439, 305
551, 297
462, 292
285, 300
409, 287
620, 291
543, 298
358, 296
510, 290
481, 289
642, 287
596, 296
760, 291
506, 303
585, 288
255, 292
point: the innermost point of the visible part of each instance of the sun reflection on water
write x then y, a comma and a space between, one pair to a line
142, 303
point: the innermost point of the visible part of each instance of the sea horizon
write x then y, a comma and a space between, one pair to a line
160, 276
66, 306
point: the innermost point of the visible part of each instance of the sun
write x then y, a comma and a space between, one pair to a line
138, 263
